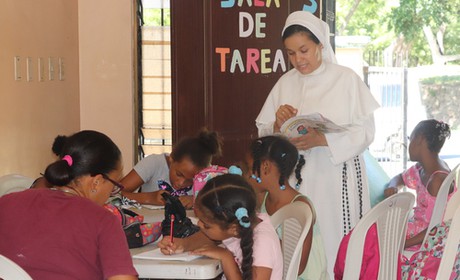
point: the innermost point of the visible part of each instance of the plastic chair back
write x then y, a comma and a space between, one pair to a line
441, 201
14, 183
454, 201
391, 217
450, 249
9, 270
295, 221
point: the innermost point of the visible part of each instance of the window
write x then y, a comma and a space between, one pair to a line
155, 119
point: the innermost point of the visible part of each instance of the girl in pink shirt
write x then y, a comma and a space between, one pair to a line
425, 177
226, 209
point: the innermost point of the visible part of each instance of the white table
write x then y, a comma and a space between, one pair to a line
202, 268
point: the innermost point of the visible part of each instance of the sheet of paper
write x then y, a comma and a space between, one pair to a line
153, 207
158, 255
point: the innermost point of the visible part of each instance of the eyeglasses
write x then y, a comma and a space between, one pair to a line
117, 187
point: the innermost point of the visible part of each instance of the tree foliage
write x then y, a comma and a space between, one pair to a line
157, 17
403, 23
427, 25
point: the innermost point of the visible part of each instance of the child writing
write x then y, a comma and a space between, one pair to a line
426, 176
226, 209
173, 172
272, 160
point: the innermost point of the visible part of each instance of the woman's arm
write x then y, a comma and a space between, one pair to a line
310, 140
357, 137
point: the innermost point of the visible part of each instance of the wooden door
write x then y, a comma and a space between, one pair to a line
226, 56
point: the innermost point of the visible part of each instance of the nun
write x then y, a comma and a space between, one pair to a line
334, 176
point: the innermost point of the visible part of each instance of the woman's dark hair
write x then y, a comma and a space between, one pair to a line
219, 201
293, 29
90, 153
283, 153
435, 132
200, 149
58, 144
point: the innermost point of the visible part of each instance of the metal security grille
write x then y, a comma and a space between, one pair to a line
155, 118
388, 85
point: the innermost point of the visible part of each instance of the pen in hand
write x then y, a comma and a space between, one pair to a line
171, 233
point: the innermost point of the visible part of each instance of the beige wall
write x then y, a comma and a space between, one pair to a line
95, 40
352, 58
106, 71
33, 112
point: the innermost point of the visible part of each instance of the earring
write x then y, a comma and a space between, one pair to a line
282, 187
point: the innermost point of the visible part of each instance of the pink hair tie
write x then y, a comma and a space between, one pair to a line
68, 159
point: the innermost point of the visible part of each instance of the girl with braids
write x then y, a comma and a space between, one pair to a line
69, 235
173, 172
271, 160
226, 209
426, 176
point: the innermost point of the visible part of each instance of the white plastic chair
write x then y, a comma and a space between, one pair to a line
439, 205
441, 200
14, 183
450, 249
391, 217
454, 202
295, 221
9, 270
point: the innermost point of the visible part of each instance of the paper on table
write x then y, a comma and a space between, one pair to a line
153, 207
156, 254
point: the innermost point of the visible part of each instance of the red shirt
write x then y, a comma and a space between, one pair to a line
55, 236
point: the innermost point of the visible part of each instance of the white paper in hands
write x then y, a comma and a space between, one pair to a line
156, 254
298, 125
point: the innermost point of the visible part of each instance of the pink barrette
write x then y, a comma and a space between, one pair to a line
69, 159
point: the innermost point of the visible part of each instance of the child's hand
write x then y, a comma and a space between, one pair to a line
169, 248
213, 251
187, 201
390, 191
157, 198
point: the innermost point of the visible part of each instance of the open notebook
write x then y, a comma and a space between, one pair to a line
156, 254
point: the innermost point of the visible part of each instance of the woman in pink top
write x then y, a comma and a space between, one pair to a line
425, 177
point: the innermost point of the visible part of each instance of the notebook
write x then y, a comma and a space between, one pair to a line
156, 254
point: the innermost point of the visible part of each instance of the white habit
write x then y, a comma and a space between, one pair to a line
334, 177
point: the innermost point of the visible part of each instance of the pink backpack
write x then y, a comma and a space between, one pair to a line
205, 175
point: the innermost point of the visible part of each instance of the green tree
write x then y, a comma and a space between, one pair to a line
430, 28
157, 17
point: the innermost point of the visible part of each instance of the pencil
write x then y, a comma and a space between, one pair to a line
171, 233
